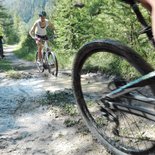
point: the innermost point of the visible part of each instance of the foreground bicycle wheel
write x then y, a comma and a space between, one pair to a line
120, 132
53, 64
39, 66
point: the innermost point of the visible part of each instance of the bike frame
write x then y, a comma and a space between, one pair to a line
46, 49
148, 79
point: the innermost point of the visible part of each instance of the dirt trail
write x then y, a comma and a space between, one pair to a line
30, 126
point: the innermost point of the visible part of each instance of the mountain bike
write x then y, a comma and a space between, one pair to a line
49, 59
118, 109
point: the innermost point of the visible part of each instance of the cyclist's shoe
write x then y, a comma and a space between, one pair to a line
39, 63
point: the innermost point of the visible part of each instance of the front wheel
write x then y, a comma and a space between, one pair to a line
52, 64
96, 66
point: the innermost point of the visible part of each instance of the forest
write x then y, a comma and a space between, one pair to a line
75, 26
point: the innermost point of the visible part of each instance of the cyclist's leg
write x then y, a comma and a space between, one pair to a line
150, 5
39, 46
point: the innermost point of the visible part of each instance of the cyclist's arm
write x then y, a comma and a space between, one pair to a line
32, 31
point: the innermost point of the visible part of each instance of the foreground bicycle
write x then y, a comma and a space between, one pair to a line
119, 111
49, 59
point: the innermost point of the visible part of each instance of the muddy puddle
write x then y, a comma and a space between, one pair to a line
13, 93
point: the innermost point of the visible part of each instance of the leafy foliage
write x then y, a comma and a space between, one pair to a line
3, 16
80, 21
7, 28
98, 19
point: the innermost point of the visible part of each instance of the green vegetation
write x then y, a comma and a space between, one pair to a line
27, 49
13, 74
3, 16
70, 109
59, 98
7, 28
5, 65
98, 19
70, 123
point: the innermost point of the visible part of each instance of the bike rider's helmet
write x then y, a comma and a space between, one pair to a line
42, 13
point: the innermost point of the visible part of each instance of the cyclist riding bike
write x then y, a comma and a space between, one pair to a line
38, 32
150, 6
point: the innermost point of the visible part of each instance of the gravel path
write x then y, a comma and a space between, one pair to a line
31, 123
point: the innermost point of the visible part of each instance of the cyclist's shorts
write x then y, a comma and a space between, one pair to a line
42, 37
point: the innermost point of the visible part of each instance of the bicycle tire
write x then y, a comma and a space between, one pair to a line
40, 68
83, 90
53, 64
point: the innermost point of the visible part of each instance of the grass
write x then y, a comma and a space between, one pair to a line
5, 65
26, 53
58, 98
14, 74
70, 123
65, 60
70, 109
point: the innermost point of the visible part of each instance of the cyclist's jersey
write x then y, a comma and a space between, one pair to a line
39, 30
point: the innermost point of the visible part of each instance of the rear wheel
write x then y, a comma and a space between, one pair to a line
122, 133
52, 64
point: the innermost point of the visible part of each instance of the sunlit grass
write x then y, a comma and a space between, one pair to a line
5, 65
13, 74
24, 52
